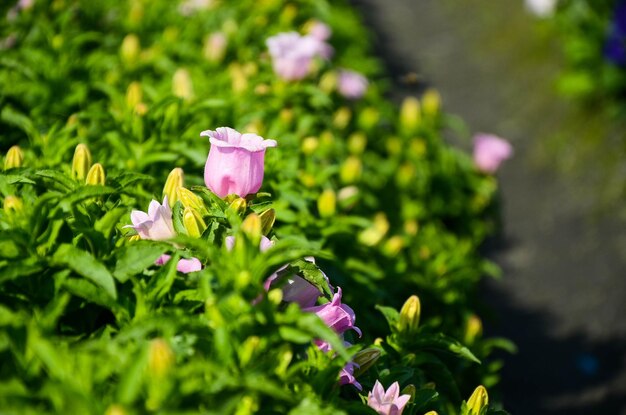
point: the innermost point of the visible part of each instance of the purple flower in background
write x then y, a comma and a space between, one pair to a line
296, 289
352, 85
389, 402
490, 151
184, 265
156, 224
337, 316
292, 54
235, 164
320, 31
346, 376
615, 45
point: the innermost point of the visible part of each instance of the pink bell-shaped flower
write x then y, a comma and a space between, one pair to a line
156, 224
388, 402
351, 85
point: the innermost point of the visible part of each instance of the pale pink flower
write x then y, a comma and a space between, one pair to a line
320, 31
389, 402
490, 151
235, 164
156, 224
184, 265
293, 54
352, 85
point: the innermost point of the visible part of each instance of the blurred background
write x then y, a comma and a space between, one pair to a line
562, 245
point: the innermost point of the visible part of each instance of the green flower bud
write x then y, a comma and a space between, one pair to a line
357, 143
175, 180
327, 203
96, 176
328, 82
252, 227
81, 163
181, 84
14, 158
478, 400
134, 95
160, 358
191, 200
239, 205
351, 170
115, 410
193, 223
309, 145
130, 49
342, 117
376, 232
410, 315
369, 118
393, 246
268, 218
365, 359
431, 102
409, 390
410, 115
473, 329
13, 205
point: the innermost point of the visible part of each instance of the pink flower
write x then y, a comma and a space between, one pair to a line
346, 376
235, 164
264, 245
337, 316
184, 265
292, 54
490, 151
387, 403
320, 31
352, 85
156, 224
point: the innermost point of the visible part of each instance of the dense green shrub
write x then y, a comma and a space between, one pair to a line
89, 323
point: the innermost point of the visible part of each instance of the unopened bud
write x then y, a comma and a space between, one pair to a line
115, 410
252, 227
191, 200
357, 143
393, 246
175, 180
342, 117
238, 78
193, 222
327, 203
134, 238
130, 49
134, 95
160, 358
478, 400
410, 115
215, 47
375, 233
13, 205
96, 176
309, 145
181, 84
405, 176
409, 390
411, 227
81, 163
275, 296
267, 220
431, 413
365, 359
247, 349
14, 158
394, 145
431, 102
410, 315
286, 116
239, 205
473, 329
289, 13
368, 118
351, 170
328, 82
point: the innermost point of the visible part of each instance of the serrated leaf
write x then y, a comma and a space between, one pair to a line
84, 264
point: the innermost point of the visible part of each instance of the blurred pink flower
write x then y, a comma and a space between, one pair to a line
337, 316
184, 265
352, 85
156, 224
235, 164
264, 245
292, 54
320, 31
389, 402
490, 151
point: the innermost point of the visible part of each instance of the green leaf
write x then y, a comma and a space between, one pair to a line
58, 177
84, 264
17, 269
85, 192
441, 342
310, 272
137, 256
391, 315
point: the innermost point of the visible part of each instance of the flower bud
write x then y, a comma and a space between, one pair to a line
181, 84
393, 145
351, 170
328, 82
410, 316
275, 296
81, 163
411, 227
368, 118
431, 413
160, 358
95, 176
478, 400
13, 205
473, 329
252, 227
342, 117
376, 232
134, 95
393, 246
115, 410
410, 115
130, 49
431, 102
191, 200
175, 180
327, 203
215, 47
238, 78
309, 145
193, 223
267, 220
365, 359
357, 143
14, 158
409, 390
247, 349
239, 205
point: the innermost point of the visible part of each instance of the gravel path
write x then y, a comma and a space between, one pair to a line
563, 296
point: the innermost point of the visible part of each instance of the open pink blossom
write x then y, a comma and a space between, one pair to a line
389, 402
352, 85
293, 54
490, 151
156, 224
184, 265
337, 316
236, 162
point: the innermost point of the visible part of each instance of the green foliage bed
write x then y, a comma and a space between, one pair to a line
90, 324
